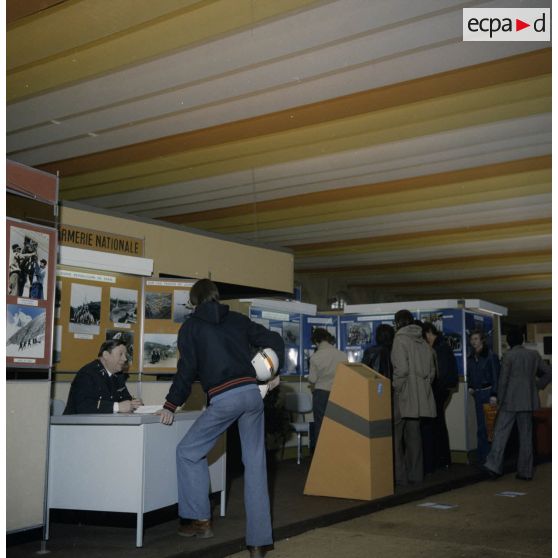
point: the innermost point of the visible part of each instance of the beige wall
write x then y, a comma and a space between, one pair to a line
179, 252
27, 412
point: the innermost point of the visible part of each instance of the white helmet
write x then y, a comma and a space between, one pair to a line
266, 364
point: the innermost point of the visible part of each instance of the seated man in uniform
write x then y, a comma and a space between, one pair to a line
100, 386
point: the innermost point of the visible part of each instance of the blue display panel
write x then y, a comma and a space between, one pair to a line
449, 321
289, 327
309, 323
357, 333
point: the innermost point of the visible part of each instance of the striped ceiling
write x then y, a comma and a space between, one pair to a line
395, 160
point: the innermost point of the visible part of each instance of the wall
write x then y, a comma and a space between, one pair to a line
27, 412
177, 251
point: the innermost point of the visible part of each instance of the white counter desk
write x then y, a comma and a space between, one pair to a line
120, 463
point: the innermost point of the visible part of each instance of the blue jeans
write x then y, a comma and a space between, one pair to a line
320, 397
483, 446
245, 405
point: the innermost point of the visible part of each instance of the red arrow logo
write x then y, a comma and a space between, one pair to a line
519, 25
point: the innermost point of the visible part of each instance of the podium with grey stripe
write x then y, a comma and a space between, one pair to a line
353, 456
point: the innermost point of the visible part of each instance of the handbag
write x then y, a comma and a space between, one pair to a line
490, 412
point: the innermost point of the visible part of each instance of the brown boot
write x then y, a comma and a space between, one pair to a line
199, 528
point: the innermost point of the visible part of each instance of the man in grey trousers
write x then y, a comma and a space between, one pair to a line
522, 374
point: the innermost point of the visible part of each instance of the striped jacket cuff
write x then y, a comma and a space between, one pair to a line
170, 406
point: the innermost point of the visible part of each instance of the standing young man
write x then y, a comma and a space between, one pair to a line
215, 346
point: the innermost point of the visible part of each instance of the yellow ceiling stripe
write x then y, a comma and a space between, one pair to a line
428, 117
432, 238
147, 41
510, 69
482, 264
80, 23
363, 190
446, 195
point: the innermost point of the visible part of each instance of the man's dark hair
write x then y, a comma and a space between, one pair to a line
384, 335
480, 333
429, 327
403, 318
320, 334
204, 290
514, 337
110, 345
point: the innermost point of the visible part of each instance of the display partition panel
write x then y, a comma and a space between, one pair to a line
166, 305
357, 333
30, 265
92, 307
309, 323
288, 325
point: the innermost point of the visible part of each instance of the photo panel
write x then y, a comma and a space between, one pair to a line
28, 263
160, 350
158, 305
123, 306
181, 307
25, 331
85, 309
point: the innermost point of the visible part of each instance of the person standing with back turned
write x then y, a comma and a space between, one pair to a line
215, 347
413, 373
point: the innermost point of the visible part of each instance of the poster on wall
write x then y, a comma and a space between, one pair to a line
92, 307
167, 305
30, 253
357, 333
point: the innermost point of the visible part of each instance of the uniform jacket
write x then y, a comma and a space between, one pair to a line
413, 373
94, 391
323, 364
519, 382
215, 346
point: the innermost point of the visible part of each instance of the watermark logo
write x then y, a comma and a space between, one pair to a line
506, 24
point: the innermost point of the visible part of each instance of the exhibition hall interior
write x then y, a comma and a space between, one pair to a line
349, 175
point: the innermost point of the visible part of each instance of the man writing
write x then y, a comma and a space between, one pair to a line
100, 386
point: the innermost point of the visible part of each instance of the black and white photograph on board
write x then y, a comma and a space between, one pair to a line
123, 305
85, 309
291, 360
359, 334
28, 264
159, 350
158, 306
25, 331
435, 318
291, 333
181, 306
126, 336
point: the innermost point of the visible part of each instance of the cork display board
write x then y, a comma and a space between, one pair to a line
165, 307
90, 308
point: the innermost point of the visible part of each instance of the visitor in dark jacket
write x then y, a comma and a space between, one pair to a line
483, 369
379, 357
443, 386
215, 346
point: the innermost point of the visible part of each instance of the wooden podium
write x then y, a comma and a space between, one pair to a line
353, 456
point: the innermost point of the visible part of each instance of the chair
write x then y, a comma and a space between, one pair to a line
299, 404
57, 407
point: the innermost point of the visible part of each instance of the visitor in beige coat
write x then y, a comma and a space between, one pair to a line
413, 372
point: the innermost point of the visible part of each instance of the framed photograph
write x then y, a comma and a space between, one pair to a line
30, 280
123, 306
85, 309
158, 306
160, 350
181, 305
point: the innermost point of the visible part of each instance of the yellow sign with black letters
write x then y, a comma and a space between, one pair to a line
100, 241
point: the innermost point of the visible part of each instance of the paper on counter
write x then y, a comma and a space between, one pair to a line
148, 409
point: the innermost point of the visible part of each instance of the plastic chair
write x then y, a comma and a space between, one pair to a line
299, 404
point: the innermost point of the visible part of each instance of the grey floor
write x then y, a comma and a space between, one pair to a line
482, 524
